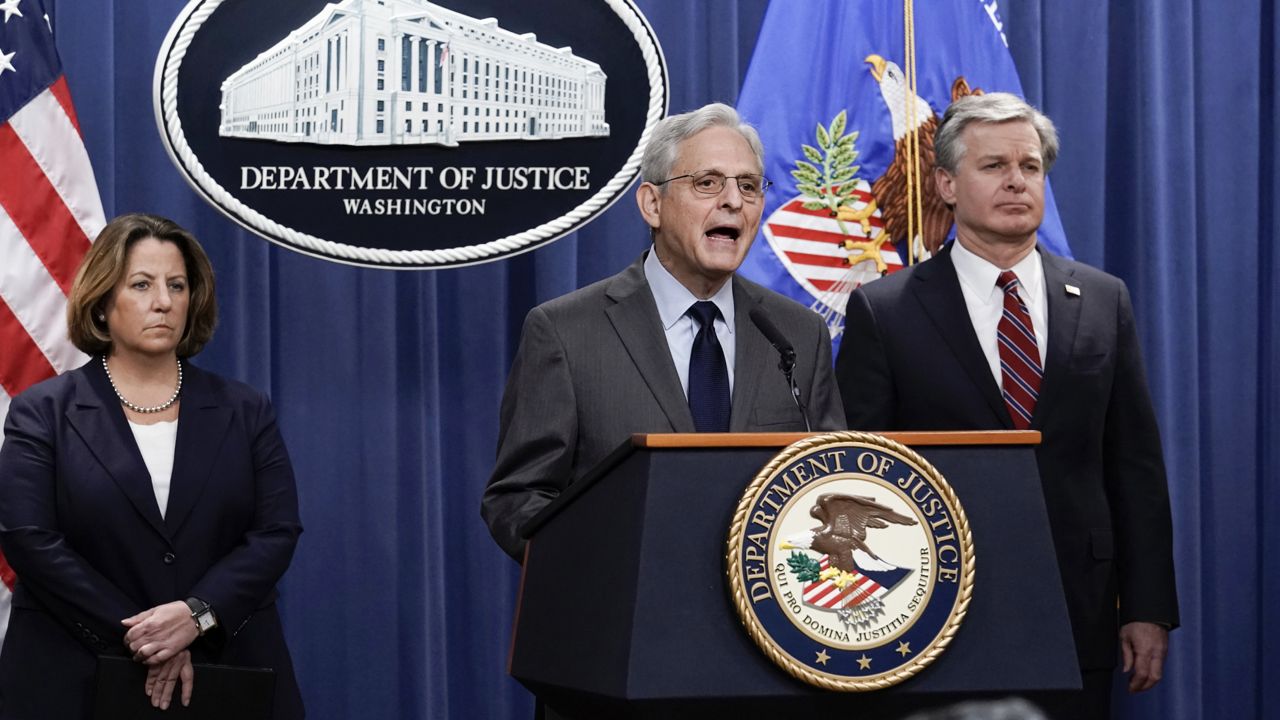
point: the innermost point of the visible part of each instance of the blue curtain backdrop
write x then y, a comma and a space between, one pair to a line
398, 605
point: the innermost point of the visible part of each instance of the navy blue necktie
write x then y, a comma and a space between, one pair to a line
709, 399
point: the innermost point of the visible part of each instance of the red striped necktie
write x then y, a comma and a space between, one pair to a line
1020, 370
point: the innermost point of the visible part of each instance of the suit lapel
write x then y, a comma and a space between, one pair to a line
752, 355
937, 287
99, 421
202, 428
1063, 320
634, 316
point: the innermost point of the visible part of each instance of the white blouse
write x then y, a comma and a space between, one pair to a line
157, 442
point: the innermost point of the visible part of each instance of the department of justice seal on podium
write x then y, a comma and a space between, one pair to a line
850, 561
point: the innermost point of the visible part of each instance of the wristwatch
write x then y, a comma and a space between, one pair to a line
202, 614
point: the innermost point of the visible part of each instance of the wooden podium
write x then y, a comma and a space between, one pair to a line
624, 609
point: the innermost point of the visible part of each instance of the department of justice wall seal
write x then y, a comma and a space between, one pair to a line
850, 561
410, 134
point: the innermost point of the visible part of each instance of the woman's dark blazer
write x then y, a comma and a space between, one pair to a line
80, 526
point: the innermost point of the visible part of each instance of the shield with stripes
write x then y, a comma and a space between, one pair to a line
856, 596
830, 256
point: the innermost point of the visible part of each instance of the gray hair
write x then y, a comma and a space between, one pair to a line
664, 141
996, 107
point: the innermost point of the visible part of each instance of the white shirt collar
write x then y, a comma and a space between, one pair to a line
674, 299
980, 275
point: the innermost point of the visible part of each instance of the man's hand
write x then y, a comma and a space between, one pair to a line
1144, 646
160, 633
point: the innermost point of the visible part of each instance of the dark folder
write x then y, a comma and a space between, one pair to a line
220, 692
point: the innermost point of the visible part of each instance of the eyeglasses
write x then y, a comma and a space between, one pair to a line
711, 183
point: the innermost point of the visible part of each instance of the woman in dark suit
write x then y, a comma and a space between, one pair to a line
147, 507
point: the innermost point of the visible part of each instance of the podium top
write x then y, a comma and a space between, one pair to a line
693, 441
766, 440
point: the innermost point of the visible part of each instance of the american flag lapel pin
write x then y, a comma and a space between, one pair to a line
1073, 290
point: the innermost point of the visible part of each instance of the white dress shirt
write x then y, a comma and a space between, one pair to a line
985, 299
674, 300
158, 442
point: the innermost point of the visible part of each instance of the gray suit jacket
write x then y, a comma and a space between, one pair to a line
593, 367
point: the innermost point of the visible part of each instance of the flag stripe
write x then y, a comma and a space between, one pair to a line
803, 233
866, 593
819, 260
797, 206
812, 219
826, 247
21, 364
52, 139
815, 273
807, 247
63, 94
34, 298
39, 214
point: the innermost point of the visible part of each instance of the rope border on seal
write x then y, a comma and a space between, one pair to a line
752, 624
169, 62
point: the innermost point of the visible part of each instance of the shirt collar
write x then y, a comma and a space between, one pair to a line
979, 275
674, 299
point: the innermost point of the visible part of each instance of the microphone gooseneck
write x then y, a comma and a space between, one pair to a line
786, 356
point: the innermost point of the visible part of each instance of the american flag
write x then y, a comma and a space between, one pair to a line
49, 212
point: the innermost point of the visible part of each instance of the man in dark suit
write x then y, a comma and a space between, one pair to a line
997, 333
667, 345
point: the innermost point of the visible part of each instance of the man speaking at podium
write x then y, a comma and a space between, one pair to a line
674, 343
997, 333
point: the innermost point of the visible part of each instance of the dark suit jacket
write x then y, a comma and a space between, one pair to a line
910, 360
594, 367
80, 525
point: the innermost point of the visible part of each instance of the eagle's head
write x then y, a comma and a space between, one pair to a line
894, 90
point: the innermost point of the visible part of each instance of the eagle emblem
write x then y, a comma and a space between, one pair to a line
848, 577
842, 231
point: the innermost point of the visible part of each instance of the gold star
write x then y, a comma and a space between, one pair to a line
904, 649
823, 657
864, 662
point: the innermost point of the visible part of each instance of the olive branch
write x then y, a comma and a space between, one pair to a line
829, 176
829, 180
807, 569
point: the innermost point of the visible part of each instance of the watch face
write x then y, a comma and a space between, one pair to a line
205, 621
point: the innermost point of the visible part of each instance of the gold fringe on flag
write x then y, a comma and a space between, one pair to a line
915, 204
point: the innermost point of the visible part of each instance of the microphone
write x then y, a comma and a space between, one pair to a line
786, 353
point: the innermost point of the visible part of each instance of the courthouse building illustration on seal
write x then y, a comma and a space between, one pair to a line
401, 72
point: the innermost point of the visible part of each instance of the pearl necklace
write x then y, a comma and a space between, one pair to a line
137, 408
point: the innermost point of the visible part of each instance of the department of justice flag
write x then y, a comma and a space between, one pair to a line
827, 90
